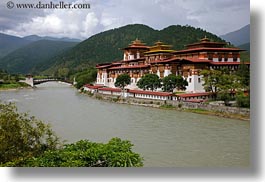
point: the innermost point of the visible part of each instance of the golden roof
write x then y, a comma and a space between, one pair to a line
159, 51
160, 47
205, 39
137, 42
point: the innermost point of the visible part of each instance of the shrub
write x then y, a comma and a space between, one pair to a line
99, 97
116, 153
167, 106
180, 105
243, 101
22, 137
116, 99
224, 96
28, 142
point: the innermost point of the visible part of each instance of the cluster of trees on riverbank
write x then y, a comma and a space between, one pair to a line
153, 82
28, 142
83, 76
9, 81
87, 76
229, 86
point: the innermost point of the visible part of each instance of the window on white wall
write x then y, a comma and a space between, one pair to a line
220, 57
226, 57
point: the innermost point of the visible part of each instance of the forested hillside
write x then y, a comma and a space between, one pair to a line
106, 46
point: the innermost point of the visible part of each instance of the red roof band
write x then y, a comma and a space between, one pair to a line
110, 89
93, 86
207, 49
150, 93
129, 67
194, 94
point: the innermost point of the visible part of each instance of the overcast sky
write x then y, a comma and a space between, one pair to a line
216, 16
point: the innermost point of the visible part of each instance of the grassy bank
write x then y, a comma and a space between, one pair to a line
221, 114
14, 85
208, 112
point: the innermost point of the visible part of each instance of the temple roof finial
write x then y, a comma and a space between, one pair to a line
205, 39
136, 42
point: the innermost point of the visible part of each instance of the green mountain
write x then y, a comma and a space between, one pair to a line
106, 46
33, 57
9, 43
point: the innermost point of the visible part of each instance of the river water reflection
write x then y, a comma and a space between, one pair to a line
165, 138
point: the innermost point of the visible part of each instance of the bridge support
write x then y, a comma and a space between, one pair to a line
29, 80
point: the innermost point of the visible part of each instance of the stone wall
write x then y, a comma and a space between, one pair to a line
176, 104
218, 108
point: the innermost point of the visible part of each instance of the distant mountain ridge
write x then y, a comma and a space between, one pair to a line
9, 43
37, 38
238, 37
33, 57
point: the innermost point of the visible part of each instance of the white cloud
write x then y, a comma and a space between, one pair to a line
59, 24
50, 23
74, 23
108, 21
213, 15
89, 24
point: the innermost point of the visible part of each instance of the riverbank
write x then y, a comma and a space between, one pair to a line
13, 86
219, 114
199, 108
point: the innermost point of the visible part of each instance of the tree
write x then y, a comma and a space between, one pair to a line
149, 82
22, 137
122, 81
116, 153
181, 83
211, 80
169, 83
244, 76
243, 100
222, 83
63, 72
85, 77
172, 81
229, 83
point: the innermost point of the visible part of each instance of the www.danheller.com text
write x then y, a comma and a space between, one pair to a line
47, 5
